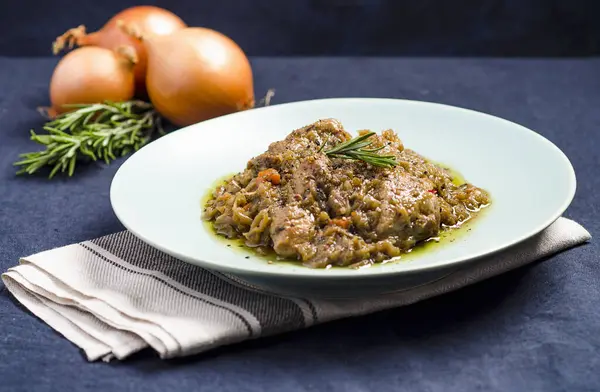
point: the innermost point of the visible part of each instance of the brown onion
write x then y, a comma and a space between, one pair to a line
91, 75
146, 20
195, 74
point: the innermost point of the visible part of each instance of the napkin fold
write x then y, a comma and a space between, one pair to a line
115, 295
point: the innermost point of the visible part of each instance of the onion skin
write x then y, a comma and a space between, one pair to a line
91, 74
196, 74
145, 19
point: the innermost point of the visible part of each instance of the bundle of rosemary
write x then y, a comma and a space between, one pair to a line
102, 131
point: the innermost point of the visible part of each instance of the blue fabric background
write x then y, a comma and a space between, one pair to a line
535, 329
338, 27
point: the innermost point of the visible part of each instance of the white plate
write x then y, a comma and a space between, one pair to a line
156, 193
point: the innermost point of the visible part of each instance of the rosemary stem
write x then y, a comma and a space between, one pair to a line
355, 149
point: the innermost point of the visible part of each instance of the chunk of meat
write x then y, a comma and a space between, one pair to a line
292, 230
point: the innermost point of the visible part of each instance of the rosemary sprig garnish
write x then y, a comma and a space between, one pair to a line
95, 131
357, 149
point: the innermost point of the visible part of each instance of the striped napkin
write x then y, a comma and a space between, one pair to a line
115, 295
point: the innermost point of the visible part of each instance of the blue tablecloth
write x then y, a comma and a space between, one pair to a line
537, 328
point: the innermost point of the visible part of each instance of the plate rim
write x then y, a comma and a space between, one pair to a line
413, 268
